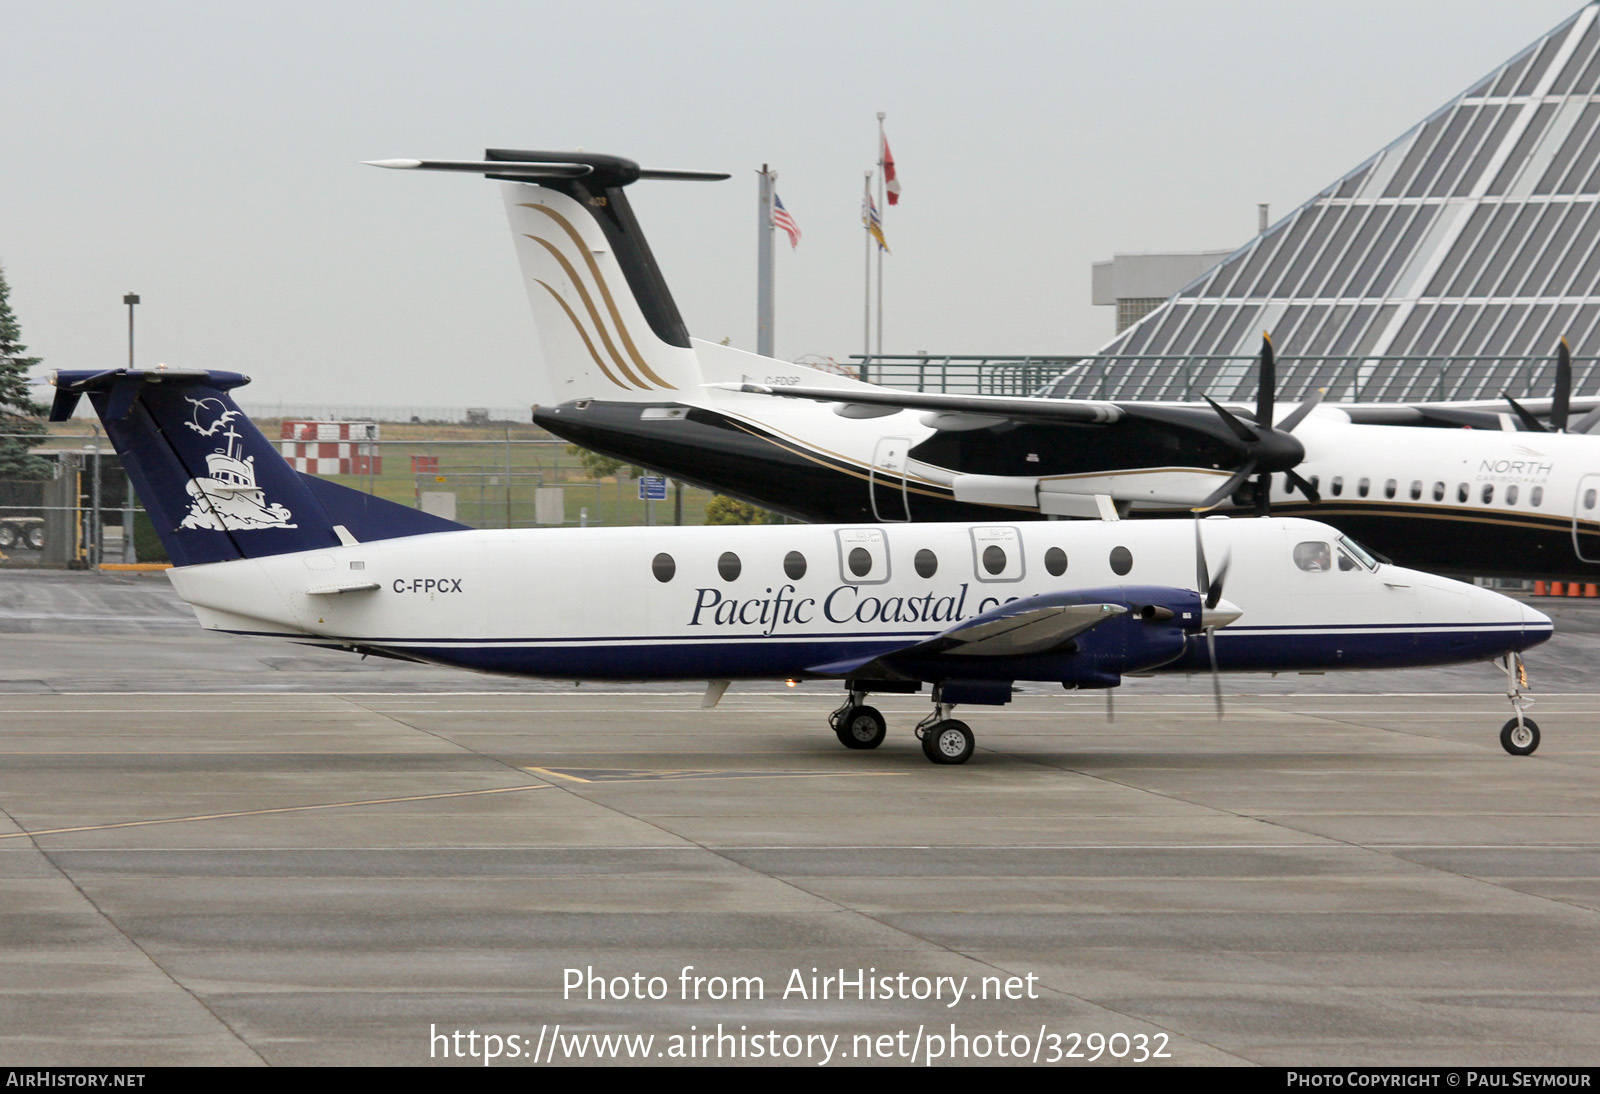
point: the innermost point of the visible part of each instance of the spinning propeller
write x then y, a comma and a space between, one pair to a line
1215, 612
1267, 448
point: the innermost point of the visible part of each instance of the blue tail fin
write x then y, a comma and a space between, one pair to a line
214, 487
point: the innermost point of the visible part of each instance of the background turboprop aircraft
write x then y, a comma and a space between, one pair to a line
261, 549
624, 378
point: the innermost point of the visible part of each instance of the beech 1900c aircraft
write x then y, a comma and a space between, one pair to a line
624, 378
970, 609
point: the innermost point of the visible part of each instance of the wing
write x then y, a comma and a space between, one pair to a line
1094, 631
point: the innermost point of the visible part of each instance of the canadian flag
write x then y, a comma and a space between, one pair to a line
890, 184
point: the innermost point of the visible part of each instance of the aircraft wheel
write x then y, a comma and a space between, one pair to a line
1520, 740
36, 537
8, 536
861, 727
948, 742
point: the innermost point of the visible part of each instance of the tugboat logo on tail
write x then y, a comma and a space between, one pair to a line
228, 499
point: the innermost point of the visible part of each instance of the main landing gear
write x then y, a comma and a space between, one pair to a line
1520, 735
856, 724
945, 740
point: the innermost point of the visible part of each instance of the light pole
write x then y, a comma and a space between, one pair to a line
130, 299
129, 551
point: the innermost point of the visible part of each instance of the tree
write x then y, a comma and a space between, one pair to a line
601, 467
20, 425
725, 510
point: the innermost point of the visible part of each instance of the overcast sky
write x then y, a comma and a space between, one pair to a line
206, 156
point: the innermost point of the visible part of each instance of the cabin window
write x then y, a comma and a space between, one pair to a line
1416, 489
997, 553
926, 562
729, 566
1488, 493
1337, 485
1463, 491
1588, 499
1121, 560
794, 565
1313, 556
863, 555
1055, 561
663, 567
1316, 483
1391, 487
1536, 496
1511, 495
1438, 491
860, 561
1363, 486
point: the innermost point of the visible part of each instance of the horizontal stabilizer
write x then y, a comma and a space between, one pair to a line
520, 166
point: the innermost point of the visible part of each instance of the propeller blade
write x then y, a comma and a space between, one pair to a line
1216, 677
1297, 415
1266, 383
1562, 402
1240, 429
1529, 422
1223, 492
1202, 576
1214, 587
1305, 486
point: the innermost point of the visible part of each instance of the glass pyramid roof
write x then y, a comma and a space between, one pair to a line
1447, 266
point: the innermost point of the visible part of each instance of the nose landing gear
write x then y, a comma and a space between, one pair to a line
1520, 735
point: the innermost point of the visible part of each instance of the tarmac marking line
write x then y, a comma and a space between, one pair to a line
264, 812
612, 775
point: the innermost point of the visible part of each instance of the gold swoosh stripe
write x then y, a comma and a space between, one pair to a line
588, 303
605, 292
589, 345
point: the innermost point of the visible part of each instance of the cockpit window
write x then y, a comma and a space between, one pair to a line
1313, 556
1361, 554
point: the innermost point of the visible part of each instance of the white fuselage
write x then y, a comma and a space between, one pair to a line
773, 601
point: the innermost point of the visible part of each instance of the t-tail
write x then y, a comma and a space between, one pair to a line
214, 486
607, 323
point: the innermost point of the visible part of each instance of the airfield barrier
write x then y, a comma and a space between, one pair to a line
1186, 377
83, 512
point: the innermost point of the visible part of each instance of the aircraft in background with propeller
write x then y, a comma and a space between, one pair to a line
622, 376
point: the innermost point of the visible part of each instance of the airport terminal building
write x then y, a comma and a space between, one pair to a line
1446, 266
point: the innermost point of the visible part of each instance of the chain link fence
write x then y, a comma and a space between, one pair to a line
85, 514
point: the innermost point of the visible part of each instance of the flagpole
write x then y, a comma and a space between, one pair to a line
866, 282
764, 316
883, 215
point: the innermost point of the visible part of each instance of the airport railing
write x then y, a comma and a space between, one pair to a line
1346, 377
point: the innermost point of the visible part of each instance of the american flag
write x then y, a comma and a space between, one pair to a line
782, 219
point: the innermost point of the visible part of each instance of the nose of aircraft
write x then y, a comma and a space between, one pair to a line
1495, 610
1536, 626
